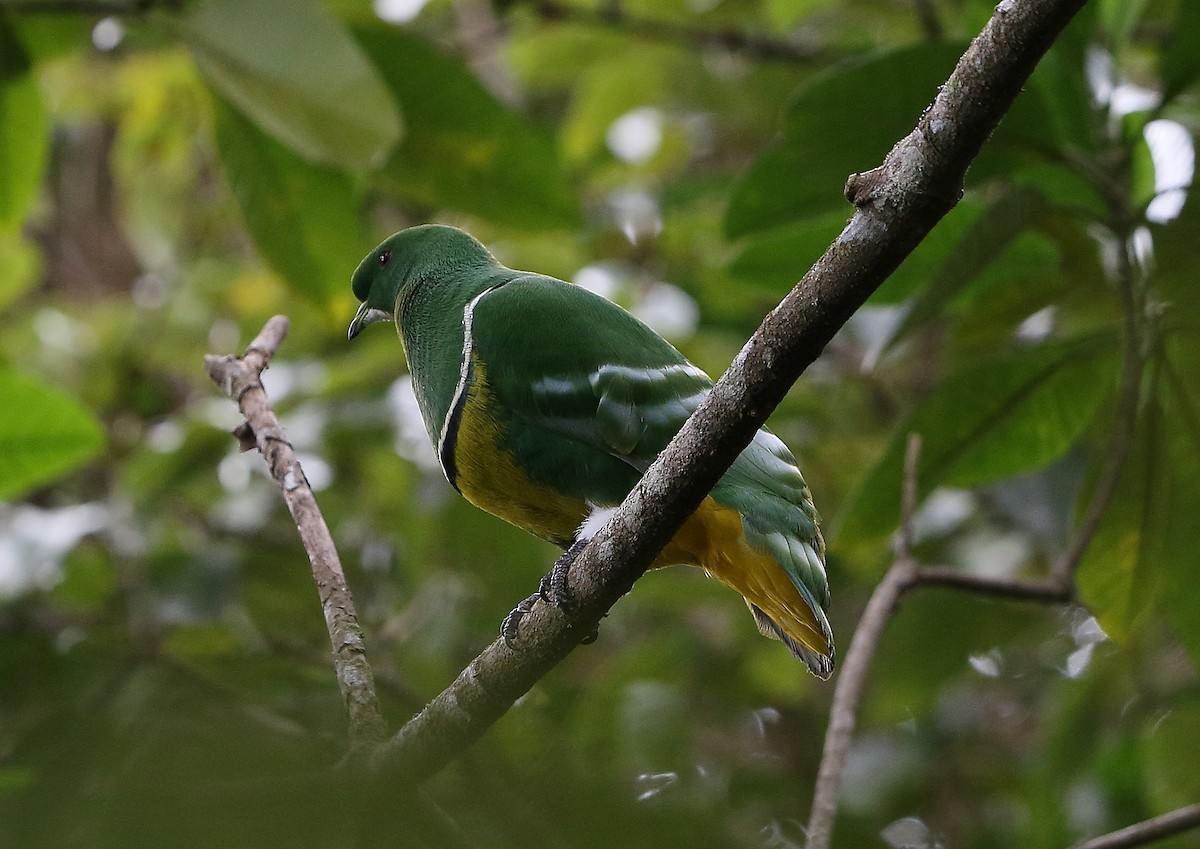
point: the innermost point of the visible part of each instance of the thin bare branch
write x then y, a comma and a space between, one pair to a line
1128, 400
897, 204
87, 7
1016, 589
1148, 831
657, 29
240, 379
852, 679
908, 498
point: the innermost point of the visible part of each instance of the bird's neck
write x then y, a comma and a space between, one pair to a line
430, 318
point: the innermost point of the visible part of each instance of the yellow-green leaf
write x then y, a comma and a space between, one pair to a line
291, 67
44, 433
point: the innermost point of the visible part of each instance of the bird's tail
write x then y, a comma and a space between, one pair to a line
773, 570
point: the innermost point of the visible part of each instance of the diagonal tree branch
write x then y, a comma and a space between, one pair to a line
897, 205
240, 379
1175, 822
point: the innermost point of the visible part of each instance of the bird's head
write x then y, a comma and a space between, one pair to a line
430, 253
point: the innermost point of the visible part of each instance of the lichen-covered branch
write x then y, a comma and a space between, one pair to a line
240, 379
897, 204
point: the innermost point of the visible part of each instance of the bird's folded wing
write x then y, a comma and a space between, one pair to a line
568, 361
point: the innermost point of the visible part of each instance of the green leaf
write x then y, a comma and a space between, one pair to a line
989, 422
1118, 578
20, 265
304, 218
44, 433
847, 119
464, 149
291, 67
828, 136
776, 259
607, 91
1143, 556
1067, 117
985, 241
1181, 419
1120, 18
1169, 750
1180, 58
1176, 258
24, 130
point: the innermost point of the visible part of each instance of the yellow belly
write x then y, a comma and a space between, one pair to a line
490, 479
712, 538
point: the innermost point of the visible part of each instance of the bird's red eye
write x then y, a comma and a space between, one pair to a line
384, 257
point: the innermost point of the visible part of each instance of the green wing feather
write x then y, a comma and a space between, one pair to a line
576, 372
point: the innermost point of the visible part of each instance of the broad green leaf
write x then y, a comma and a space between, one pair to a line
827, 136
291, 67
20, 265
1176, 258
1062, 186
607, 91
988, 422
846, 120
1143, 555
304, 218
776, 259
1169, 753
464, 149
1119, 576
1120, 17
44, 433
1179, 566
983, 243
1180, 58
1067, 117
24, 130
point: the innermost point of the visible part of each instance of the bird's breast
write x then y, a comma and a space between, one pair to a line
488, 475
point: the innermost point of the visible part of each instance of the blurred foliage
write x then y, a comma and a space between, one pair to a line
171, 177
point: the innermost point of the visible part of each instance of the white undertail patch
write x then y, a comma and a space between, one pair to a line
595, 521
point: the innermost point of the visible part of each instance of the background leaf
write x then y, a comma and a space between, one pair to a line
988, 422
44, 433
826, 139
464, 149
24, 130
304, 218
290, 66
980, 246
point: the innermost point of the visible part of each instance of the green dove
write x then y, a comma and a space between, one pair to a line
546, 403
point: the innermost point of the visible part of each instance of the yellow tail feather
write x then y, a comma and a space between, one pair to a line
714, 540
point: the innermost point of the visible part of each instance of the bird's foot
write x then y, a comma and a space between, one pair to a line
510, 628
553, 590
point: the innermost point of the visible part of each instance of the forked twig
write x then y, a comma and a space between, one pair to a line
240, 379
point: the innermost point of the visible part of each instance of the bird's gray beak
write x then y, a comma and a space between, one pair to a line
365, 315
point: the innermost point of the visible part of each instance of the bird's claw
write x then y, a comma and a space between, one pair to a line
553, 590
510, 628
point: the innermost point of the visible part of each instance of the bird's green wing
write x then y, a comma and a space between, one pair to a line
579, 377
564, 361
